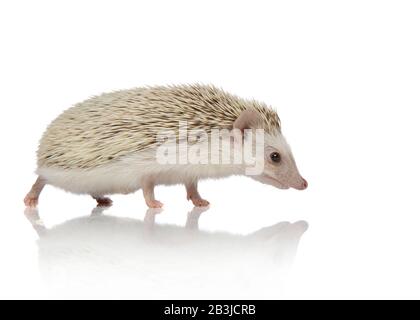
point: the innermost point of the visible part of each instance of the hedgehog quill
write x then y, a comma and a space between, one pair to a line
112, 144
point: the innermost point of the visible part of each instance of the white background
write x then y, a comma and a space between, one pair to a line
345, 79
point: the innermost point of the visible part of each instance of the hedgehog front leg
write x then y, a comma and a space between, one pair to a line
149, 196
194, 196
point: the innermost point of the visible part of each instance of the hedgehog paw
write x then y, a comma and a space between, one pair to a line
103, 202
154, 204
198, 202
31, 201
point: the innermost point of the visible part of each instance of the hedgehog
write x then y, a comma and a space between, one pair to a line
109, 143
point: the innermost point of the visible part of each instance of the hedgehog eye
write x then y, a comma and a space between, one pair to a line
275, 157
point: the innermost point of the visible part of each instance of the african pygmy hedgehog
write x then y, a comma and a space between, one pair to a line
109, 143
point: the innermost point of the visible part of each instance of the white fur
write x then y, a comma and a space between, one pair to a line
130, 174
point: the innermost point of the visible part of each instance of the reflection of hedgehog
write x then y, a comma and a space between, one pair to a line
103, 255
107, 144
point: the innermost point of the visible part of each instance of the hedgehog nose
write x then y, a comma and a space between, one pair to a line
304, 184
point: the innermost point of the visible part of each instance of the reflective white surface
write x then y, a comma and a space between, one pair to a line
109, 256
344, 77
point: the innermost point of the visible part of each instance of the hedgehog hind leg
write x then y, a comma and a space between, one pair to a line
149, 196
31, 199
194, 195
103, 201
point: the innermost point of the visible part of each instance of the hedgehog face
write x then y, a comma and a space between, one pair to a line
280, 168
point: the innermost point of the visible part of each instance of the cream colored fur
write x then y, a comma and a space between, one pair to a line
111, 126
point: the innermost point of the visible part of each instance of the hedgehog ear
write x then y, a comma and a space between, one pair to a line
248, 119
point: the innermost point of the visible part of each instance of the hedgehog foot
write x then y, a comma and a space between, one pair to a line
103, 201
149, 196
30, 201
154, 204
199, 202
194, 196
